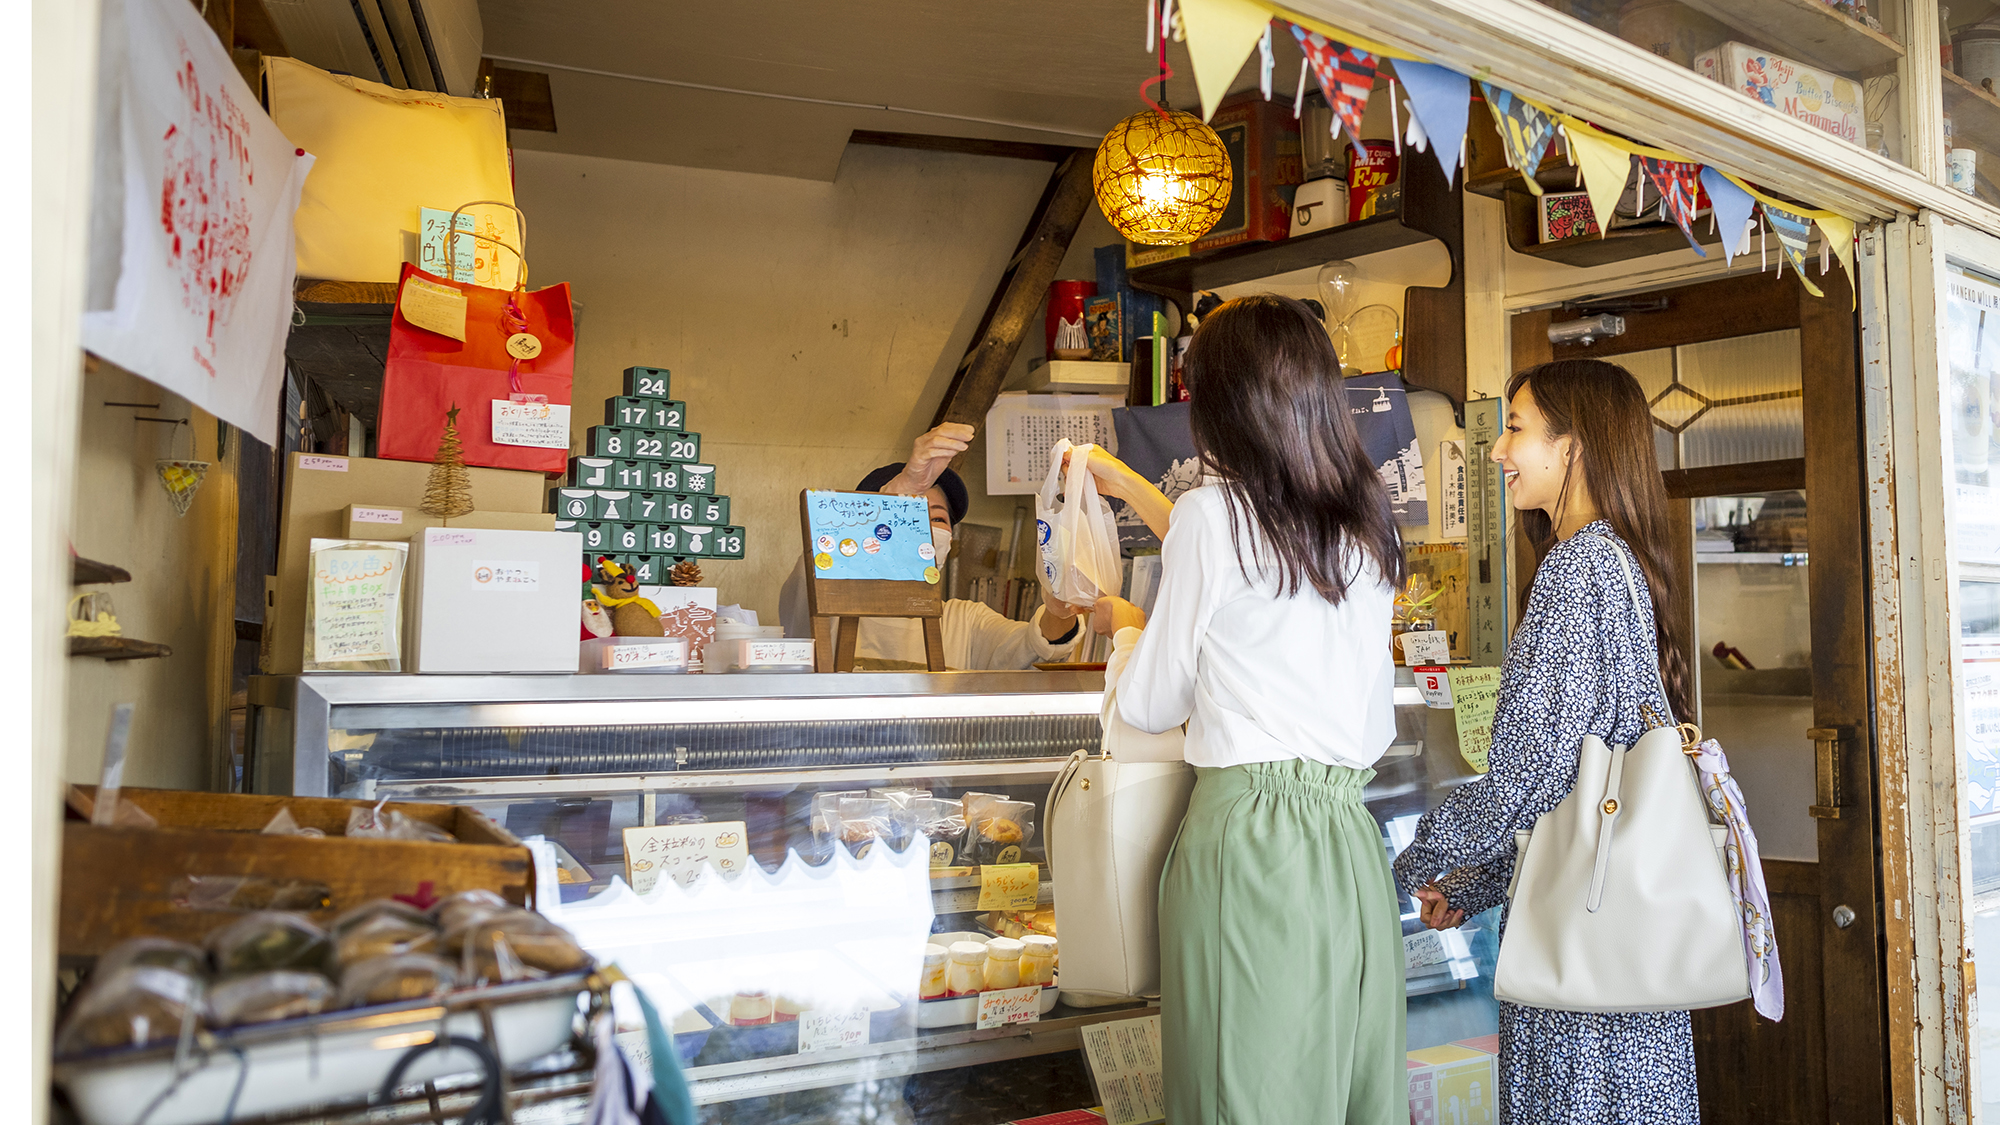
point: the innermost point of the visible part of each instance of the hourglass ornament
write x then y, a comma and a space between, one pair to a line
1337, 281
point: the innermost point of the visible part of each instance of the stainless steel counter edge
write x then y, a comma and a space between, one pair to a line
409, 687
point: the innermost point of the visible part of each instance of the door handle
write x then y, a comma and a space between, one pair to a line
1830, 793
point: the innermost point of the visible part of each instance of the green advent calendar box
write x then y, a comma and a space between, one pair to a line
640, 492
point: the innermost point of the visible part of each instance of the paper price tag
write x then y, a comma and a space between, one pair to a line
378, 515
1431, 646
433, 307
681, 851
1009, 886
1003, 1006
440, 537
324, 464
507, 575
644, 656
539, 425
1435, 683
832, 1031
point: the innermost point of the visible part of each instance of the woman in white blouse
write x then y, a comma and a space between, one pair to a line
1281, 950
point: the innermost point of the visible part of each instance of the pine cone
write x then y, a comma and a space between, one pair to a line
686, 572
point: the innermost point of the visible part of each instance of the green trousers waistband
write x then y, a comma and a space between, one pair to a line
1297, 777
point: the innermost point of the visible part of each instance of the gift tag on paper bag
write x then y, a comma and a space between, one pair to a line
433, 307
542, 425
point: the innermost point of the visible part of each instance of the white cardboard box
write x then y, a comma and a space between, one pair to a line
1820, 98
494, 601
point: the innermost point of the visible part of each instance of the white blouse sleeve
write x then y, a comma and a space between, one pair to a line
1197, 563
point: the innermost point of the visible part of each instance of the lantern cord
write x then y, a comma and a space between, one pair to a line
1159, 80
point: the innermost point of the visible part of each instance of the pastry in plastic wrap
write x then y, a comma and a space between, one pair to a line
513, 944
456, 910
153, 952
383, 928
269, 940
997, 829
268, 997
128, 1007
393, 980
942, 823
863, 821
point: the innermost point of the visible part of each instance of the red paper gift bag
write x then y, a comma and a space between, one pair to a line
428, 373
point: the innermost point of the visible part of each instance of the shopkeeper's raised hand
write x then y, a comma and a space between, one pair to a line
930, 456
1116, 479
1058, 617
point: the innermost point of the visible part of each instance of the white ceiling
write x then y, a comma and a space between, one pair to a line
1064, 70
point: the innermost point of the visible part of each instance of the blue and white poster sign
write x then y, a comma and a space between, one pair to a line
871, 535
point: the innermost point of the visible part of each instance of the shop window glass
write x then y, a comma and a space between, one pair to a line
1832, 63
1969, 54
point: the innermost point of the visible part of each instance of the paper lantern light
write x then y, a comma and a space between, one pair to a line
1162, 179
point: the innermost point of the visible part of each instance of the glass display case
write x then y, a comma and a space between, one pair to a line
860, 814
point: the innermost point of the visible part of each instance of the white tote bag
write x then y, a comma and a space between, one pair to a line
1076, 532
1620, 902
1111, 822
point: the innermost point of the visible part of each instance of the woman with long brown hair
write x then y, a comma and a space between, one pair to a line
1280, 950
1578, 456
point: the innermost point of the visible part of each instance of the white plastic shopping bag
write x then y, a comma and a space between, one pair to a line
1076, 531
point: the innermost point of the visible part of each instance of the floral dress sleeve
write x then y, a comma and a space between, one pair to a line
1571, 670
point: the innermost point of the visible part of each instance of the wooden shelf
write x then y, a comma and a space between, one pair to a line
345, 292
1975, 114
117, 648
88, 572
1524, 237
1809, 31
1251, 261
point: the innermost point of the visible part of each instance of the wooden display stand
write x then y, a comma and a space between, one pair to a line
851, 599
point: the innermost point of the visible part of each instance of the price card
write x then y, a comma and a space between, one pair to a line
1435, 683
618, 657
1125, 1063
1003, 1006
539, 425
1429, 646
1477, 692
1009, 886
679, 852
832, 1030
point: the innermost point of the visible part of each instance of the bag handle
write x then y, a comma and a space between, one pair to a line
1690, 733
1056, 790
452, 232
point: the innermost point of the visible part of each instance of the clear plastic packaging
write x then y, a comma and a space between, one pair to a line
382, 928
863, 821
998, 830
395, 979
942, 823
269, 941
129, 1007
269, 997
826, 811
456, 910
153, 953
373, 823
285, 824
902, 813
513, 944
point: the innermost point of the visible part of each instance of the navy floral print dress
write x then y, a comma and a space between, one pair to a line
1582, 662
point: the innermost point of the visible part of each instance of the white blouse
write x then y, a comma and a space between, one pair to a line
1258, 677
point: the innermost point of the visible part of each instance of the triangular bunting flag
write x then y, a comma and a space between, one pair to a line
1606, 169
1839, 234
1679, 185
1732, 206
1441, 99
1524, 132
1220, 36
1346, 76
1793, 232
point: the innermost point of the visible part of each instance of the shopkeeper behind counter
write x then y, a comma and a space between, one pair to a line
975, 637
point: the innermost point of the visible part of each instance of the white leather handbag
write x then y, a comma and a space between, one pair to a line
1111, 823
1620, 902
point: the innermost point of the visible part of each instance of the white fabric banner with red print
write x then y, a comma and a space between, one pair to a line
197, 188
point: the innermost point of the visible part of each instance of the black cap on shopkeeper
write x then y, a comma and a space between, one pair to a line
956, 499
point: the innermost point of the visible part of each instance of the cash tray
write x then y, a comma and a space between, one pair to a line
326, 1060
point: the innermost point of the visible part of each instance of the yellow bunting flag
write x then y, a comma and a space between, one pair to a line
1220, 36
1605, 168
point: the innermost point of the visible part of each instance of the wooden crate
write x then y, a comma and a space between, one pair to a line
120, 883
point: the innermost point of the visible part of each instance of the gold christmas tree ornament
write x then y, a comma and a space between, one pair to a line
448, 492
1162, 178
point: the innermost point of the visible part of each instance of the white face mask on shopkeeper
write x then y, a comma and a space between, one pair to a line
941, 539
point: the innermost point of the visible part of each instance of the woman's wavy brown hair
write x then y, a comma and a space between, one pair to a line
1602, 405
1270, 416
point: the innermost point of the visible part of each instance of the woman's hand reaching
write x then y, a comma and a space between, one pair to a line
1435, 912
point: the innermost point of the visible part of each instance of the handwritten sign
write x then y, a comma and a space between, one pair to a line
1009, 886
1003, 1006
378, 515
433, 307
323, 464
1124, 1057
678, 851
869, 535
1475, 693
540, 425
1427, 646
832, 1030
658, 655
476, 259
356, 597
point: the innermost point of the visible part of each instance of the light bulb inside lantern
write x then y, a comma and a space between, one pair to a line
1337, 293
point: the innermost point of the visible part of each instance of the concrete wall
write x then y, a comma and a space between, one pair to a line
181, 593
811, 327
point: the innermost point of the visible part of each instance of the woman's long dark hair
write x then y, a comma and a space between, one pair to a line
1602, 405
1270, 416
